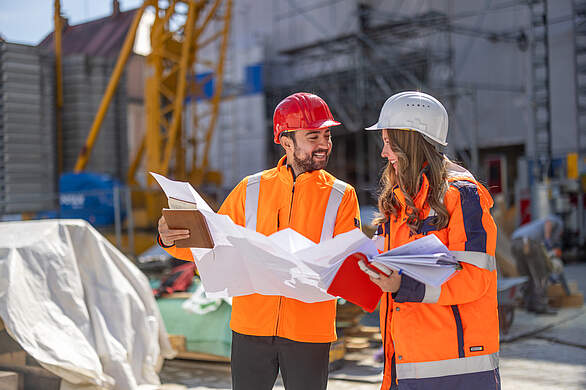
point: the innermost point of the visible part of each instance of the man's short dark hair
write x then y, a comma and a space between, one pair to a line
290, 135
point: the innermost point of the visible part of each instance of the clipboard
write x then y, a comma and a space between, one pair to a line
195, 222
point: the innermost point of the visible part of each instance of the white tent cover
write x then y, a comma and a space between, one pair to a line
79, 306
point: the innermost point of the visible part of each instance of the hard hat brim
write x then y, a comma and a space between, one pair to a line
323, 125
314, 126
427, 136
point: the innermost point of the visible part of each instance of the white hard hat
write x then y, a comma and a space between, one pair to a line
417, 111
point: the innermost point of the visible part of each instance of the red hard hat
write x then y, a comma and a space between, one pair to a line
301, 111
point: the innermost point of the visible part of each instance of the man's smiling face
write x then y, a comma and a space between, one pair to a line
310, 150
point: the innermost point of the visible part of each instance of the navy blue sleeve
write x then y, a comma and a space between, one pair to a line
410, 290
160, 242
472, 215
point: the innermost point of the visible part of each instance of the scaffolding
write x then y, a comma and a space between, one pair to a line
387, 51
579, 25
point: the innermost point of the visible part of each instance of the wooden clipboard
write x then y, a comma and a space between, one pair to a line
195, 222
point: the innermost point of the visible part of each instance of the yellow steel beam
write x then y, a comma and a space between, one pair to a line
58, 84
208, 18
110, 89
184, 66
209, 40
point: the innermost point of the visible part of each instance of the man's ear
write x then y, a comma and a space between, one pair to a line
287, 143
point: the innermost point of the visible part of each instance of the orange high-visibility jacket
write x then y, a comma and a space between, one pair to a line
316, 205
445, 337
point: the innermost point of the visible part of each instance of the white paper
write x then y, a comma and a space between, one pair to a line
286, 263
426, 259
181, 190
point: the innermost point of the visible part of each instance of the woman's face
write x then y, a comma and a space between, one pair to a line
387, 152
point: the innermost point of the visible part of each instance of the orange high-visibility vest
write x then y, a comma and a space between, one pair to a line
445, 337
316, 205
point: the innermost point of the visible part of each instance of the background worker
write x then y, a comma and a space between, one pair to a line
435, 337
275, 332
530, 245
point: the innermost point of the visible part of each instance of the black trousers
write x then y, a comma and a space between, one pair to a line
256, 361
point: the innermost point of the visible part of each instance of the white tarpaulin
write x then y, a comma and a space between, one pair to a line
79, 306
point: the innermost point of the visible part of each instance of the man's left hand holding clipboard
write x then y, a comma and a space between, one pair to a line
184, 228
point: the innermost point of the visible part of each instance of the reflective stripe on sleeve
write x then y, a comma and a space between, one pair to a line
432, 294
334, 202
251, 205
467, 365
479, 259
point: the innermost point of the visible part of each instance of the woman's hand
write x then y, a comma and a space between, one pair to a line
169, 236
389, 283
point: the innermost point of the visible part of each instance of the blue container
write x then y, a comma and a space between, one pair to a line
88, 196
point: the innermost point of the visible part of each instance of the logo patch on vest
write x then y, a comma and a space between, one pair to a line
357, 223
477, 349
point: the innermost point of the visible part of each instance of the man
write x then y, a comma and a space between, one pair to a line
275, 332
529, 245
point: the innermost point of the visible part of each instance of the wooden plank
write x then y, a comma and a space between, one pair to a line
202, 356
178, 344
37, 371
178, 295
574, 300
10, 380
556, 289
356, 343
17, 358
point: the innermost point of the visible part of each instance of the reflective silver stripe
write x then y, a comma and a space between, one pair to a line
479, 259
440, 368
432, 294
336, 195
251, 205
431, 213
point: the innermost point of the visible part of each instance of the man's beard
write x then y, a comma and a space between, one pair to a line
308, 164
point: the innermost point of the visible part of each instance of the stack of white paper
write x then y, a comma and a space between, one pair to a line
181, 192
286, 263
426, 259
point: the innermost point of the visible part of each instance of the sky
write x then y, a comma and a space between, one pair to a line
29, 21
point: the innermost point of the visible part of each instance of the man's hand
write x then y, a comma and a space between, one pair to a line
389, 283
169, 236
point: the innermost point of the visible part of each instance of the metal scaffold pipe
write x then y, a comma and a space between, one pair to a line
59, 84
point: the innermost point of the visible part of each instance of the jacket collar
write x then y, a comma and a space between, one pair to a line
420, 197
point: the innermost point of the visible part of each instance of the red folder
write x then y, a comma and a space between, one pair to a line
352, 284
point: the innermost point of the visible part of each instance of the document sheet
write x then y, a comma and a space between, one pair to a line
286, 263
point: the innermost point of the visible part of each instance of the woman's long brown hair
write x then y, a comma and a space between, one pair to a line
412, 152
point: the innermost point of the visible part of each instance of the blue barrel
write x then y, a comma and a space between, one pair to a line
88, 196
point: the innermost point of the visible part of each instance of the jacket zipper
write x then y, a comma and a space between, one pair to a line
459, 330
385, 337
290, 211
388, 231
278, 310
292, 196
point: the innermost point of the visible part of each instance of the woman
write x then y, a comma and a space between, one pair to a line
435, 337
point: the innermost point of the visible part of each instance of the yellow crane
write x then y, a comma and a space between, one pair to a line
185, 33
